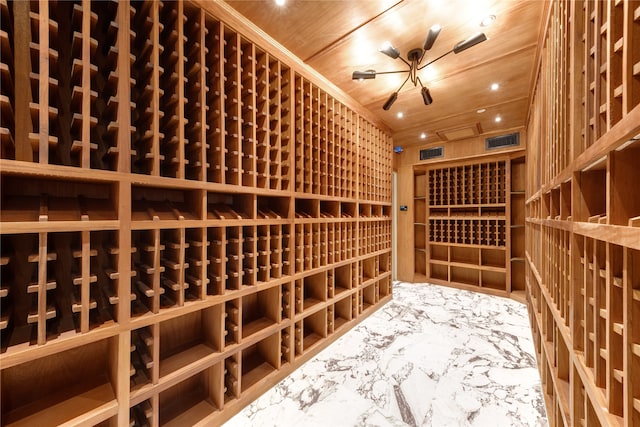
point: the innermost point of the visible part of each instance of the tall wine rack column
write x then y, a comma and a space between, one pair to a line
187, 217
468, 223
582, 215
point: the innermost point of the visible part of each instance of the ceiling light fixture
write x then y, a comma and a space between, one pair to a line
423, 135
364, 75
498, 119
481, 110
495, 86
487, 20
281, 2
415, 57
400, 115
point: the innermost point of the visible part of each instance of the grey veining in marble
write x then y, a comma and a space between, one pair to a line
434, 356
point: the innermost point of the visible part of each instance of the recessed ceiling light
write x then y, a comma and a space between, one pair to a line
400, 115
487, 20
495, 86
498, 119
281, 2
482, 110
423, 135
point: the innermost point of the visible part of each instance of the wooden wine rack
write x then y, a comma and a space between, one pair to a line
582, 228
468, 224
187, 216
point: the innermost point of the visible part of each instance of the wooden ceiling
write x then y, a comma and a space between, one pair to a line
339, 37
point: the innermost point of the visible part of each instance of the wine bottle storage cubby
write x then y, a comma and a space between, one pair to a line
7, 97
342, 313
468, 232
314, 329
142, 367
231, 53
632, 366
181, 62
375, 158
261, 310
188, 340
231, 383
317, 245
27, 199
215, 246
227, 206
581, 213
374, 236
259, 360
326, 132
468, 224
55, 285
71, 118
420, 227
517, 226
369, 296
477, 184
141, 415
157, 205
608, 82
84, 394
191, 400
556, 273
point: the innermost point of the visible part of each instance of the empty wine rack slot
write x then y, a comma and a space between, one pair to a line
184, 212
230, 206
27, 199
155, 204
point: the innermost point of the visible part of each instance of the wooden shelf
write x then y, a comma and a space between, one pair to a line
100, 402
182, 209
576, 281
469, 216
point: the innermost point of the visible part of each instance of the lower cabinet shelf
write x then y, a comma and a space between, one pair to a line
473, 266
68, 387
70, 407
189, 401
200, 365
260, 360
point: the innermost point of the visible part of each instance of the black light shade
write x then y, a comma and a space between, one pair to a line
470, 42
390, 51
364, 75
432, 36
390, 101
426, 96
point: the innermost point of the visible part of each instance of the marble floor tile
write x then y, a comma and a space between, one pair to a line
434, 356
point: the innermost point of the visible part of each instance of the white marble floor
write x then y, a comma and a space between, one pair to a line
434, 356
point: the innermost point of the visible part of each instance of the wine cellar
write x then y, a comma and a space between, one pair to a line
186, 211
198, 197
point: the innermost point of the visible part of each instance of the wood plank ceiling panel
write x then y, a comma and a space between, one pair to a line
339, 37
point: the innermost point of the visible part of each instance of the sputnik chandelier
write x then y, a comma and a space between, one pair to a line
415, 57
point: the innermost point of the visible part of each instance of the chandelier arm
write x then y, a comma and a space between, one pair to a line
404, 60
403, 83
392, 72
424, 52
431, 62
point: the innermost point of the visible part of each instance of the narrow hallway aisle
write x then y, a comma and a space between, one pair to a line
434, 356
